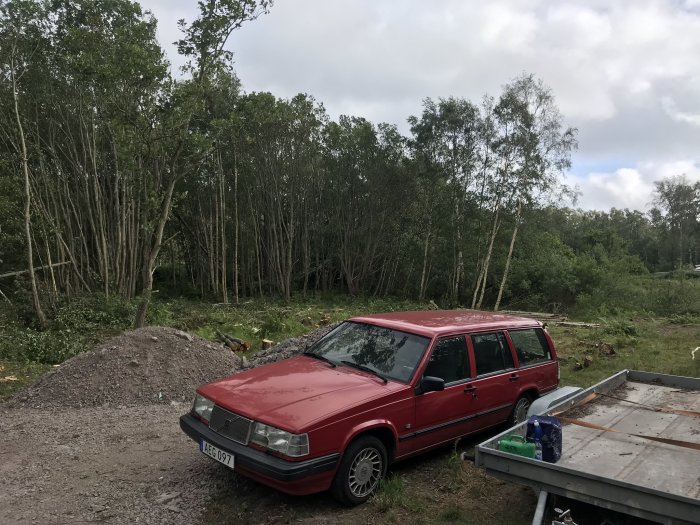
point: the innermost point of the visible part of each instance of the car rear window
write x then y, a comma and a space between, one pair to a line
491, 353
530, 346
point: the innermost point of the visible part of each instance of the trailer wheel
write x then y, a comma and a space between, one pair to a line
363, 466
519, 414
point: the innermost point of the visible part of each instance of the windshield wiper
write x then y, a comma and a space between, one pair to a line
365, 369
321, 357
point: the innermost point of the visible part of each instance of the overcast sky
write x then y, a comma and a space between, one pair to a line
625, 73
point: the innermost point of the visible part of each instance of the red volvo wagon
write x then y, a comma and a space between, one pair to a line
375, 390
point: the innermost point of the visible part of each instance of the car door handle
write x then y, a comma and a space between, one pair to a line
514, 377
469, 388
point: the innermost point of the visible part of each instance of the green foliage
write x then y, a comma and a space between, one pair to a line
684, 319
205, 38
618, 294
272, 195
678, 217
620, 327
76, 326
92, 313
52, 347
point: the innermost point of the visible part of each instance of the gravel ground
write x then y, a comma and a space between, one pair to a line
98, 438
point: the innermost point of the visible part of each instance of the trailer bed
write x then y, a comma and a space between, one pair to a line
617, 470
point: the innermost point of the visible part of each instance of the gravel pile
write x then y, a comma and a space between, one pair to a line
287, 348
152, 364
148, 365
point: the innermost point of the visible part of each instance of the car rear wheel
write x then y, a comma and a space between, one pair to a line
362, 468
519, 414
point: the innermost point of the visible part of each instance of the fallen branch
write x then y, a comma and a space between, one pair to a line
5, 297
20, 272
576, 324
536, 315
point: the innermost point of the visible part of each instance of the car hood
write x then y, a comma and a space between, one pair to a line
294, 393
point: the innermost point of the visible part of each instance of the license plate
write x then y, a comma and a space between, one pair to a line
216, 453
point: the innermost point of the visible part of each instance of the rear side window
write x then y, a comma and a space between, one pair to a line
530, 346
491, 353
449, 360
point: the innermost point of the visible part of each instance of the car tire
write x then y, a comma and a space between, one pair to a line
520, 408
363, 466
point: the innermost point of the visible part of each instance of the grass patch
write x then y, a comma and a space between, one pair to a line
656, 346
452, 515
24, 372
393, 495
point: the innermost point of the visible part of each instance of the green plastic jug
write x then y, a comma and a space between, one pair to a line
517, 444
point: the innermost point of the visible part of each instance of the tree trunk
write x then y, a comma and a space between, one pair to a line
508, 259
487, 262
423, 277
235, 232
150, 256
41, 317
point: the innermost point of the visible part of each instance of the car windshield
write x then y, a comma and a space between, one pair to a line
391, 353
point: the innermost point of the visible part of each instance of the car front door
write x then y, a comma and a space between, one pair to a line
445, 415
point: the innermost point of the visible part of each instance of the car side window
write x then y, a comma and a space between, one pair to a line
449, 360
491, 353
530, 346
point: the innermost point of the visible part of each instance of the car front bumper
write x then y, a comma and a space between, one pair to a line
293, 477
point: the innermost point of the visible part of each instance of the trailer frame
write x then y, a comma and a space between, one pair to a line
604, 491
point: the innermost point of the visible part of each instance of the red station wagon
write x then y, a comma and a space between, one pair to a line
377, 389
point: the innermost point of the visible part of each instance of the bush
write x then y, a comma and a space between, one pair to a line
620, 327
93, 312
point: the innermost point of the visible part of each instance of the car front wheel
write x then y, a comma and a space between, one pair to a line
363, 466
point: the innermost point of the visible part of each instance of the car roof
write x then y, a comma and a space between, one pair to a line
438, 322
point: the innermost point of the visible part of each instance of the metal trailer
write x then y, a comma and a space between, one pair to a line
618, 471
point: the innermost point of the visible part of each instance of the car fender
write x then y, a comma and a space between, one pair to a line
370, 425
527, 387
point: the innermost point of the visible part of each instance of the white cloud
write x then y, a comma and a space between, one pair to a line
625, 73
627, 187
672, 111
595, 54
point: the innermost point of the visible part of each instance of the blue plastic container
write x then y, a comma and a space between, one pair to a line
551, 436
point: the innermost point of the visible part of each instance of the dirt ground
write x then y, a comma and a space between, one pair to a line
113, 465
98, 440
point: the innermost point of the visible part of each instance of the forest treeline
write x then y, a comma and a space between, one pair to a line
115, 172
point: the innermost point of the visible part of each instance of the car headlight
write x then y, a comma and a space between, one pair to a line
293, 445
202, 407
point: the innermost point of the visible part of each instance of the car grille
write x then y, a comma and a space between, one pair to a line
230, 425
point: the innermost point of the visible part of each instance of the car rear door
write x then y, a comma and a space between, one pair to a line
496, 382
445, 415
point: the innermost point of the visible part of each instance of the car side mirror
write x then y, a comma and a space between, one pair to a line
430, 384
